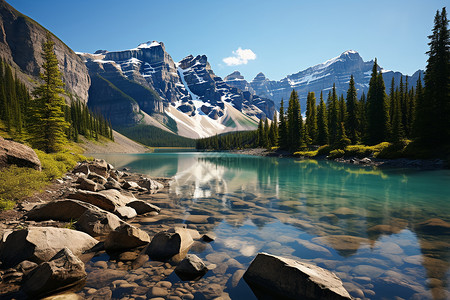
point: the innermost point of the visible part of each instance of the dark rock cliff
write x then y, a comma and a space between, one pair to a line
21, 40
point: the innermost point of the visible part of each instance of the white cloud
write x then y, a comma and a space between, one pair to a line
240, 57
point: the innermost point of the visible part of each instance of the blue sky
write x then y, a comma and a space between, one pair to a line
274, 37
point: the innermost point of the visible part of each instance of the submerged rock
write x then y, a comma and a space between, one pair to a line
191, 268
434, 226
166, 244
292, 279
64, 270
126, 237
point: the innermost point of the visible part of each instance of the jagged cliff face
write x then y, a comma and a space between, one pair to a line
21, 42
145, 84
320, 78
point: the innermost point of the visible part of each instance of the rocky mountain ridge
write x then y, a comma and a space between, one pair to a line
21, 40
319, 78
144, 85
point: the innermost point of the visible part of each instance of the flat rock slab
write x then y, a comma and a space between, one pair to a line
61, 210
40, 244
293, 279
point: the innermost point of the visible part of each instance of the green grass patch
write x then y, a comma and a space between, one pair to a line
18, 183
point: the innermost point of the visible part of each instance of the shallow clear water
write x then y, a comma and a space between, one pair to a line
364, 224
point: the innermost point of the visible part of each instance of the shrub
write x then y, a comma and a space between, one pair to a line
336, 153
324, 150
306, 153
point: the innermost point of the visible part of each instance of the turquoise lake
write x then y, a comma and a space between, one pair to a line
384, 232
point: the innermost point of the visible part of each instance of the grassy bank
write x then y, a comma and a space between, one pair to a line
18, 183
385, 150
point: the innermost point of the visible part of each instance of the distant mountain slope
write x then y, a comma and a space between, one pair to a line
21, 40
144, 85
318, 78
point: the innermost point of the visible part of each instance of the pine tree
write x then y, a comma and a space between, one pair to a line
48, 126
273, 131
397, 125
282, 129
342, 110
266, 142
378, 126
322, 123
311, 119
353, 119
333, 115
294, 122
432, 117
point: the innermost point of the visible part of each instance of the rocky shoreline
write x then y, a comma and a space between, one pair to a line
82, 237
421, 164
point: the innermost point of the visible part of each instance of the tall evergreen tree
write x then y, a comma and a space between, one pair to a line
397, 125
432, 114
378, 126
311, 119
333, 115
273, 131
322, 123
353, 119
282, 129
48, 129
295, 122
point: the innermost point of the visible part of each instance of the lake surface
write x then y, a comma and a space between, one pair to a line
371, 227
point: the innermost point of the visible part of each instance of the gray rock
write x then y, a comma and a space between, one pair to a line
130, 185
12, 153
112, 184
60, 210
125, 212
82, 168
142, 207
126, 237
88, 185
63, 271
97, 178
99, 166
191, 268
39, 244
150, 184
292, 279
26, 266
209, 237
166, 244
98, 222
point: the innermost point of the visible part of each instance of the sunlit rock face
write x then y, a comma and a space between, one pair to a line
138, 85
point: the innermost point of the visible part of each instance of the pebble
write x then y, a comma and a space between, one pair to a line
157, 292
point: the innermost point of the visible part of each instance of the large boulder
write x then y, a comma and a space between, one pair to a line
142, 207
191, 268
150, 184
126, 237
97, 222
40, 244
100, 167
173, 242
60, 210
63, 271
12, 153
112, 184
286, 278
107, 199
